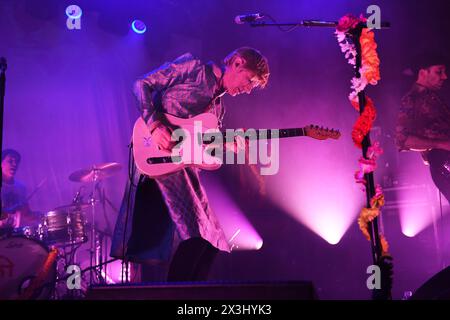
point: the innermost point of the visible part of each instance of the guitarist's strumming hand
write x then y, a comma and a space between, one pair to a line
161, 136
239, 143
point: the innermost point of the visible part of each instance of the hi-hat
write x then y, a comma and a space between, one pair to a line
96, 172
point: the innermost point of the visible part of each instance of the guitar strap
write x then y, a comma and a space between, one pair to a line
214, 104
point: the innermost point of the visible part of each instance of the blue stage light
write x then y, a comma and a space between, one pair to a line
74, 11
138, 26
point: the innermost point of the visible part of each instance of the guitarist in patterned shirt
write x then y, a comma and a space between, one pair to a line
423, 122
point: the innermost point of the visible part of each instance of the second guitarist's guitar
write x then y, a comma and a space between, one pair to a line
198, 135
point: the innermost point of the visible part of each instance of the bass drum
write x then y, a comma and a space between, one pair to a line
21, 260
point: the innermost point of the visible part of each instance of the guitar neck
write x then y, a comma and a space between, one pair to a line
269, 133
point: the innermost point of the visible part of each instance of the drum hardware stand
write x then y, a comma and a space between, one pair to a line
95, 175
100, 235
99, 258
98, 266
67, 257
79, 293
96, 250
94, 242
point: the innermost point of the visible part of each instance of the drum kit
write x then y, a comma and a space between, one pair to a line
25, 252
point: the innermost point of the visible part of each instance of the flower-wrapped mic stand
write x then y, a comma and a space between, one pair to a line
358, 44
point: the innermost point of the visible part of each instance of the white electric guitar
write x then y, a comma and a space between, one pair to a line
200, 136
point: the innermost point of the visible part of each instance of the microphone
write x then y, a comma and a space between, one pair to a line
248, 18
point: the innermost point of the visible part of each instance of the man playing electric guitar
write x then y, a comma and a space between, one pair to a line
424, 120
155, 208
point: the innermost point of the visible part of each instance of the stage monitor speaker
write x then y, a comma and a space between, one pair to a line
291, 290
436, 288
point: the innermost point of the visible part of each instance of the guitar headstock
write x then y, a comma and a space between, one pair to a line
320, 133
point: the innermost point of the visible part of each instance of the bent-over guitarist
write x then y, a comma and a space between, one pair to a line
177, 202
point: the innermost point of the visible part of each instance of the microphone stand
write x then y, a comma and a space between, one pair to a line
3, 67
384, 263
309, 23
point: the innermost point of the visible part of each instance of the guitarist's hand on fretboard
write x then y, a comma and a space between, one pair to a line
240, 143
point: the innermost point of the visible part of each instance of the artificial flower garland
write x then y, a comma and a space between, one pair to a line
369, 74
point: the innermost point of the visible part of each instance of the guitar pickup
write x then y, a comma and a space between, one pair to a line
162, 160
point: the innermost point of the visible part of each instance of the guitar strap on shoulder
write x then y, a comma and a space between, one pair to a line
215, 102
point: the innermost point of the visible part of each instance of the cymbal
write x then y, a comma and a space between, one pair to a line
96, 172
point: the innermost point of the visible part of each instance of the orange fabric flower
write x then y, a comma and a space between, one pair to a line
384, 246
367, 215
369, 56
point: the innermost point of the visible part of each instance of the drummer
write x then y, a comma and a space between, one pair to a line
15, 211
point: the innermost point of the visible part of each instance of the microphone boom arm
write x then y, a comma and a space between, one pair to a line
309, 23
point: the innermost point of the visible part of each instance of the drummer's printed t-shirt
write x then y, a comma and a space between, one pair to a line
13, 196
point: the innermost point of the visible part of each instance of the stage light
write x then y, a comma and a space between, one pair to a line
259, 244
74, 12
238, 231
409, 233
417, 207
415, 218
321, 195
138, 26
328, 216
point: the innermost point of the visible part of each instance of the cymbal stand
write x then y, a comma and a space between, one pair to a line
99, 257
96, 255
93, 246
102, 236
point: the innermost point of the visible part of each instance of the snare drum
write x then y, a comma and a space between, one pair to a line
21, 260
63, 226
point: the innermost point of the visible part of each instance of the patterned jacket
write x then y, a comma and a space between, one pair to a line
423, 114
184, 88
